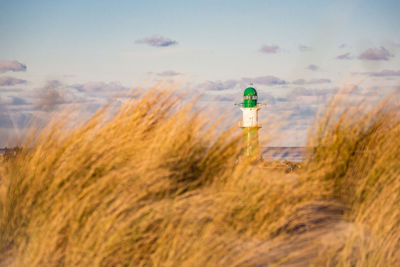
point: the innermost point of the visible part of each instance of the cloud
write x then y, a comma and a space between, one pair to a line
94, 87
169, 73
301, 91
11, 65
18, 101
299, 82
344, 56
312, 67
343, 46
264, 80
101, 91
8, 90
13, 100
5, 121
224, 98
268, 98
318, 81
306, 97
269, 49
383, 73
50, 96
157, 41
376, 54
54, 94
304, 48
302, 111
219, 85
16, 121
312, 81
230, 84
10, 81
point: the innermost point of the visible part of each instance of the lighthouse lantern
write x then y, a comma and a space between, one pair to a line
250, 98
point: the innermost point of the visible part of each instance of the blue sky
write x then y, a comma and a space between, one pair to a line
293, 51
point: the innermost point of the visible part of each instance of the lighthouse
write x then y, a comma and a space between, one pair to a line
249, 123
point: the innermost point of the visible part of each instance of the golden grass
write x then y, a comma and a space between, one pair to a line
154, 184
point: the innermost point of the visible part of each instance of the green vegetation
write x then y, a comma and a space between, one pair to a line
152, 184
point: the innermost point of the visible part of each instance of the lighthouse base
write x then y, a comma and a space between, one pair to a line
250, 142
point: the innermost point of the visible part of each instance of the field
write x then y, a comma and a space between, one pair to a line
152, 183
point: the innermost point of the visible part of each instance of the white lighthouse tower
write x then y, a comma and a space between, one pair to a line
249, 124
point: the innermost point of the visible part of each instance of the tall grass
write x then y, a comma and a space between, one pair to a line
154, 184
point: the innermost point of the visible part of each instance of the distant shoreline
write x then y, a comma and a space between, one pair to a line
279, 153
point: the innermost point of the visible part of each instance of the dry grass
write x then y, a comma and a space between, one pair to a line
153, 184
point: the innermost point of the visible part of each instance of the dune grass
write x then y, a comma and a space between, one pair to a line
154, 184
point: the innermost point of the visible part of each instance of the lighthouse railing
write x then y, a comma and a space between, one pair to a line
259, 105
253, 125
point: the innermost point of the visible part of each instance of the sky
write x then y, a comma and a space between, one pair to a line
54, 54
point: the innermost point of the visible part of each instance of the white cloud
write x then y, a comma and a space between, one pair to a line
157, 41
270, 49
11, 65
10, 81
376, 54
312, 67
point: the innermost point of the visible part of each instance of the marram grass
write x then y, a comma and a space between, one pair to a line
154, 184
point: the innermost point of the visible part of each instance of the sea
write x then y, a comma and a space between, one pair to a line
295, 154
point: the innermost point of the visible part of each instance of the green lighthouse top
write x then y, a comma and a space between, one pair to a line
250, 91
250, 98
